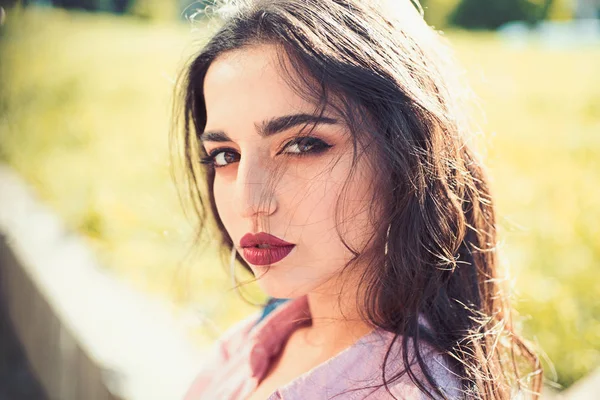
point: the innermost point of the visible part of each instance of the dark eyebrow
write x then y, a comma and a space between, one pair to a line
272, 126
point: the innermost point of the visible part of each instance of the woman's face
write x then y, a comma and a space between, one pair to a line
270, 179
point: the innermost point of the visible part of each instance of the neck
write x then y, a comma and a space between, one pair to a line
335, 323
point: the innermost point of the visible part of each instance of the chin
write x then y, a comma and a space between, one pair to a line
278, 288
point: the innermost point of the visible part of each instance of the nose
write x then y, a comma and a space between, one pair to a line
254, 194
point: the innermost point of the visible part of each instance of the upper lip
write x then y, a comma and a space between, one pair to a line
262, 238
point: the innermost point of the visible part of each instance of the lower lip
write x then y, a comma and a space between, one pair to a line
265, 256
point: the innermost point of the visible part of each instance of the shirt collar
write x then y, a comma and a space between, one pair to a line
269, 335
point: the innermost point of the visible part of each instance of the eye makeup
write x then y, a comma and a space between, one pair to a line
298, 146
304, 145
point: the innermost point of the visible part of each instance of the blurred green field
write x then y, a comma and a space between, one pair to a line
84, 116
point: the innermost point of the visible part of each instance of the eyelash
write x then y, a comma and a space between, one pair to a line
318, 146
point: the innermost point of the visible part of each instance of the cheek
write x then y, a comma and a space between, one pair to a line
315, 197
356, 218
309, 195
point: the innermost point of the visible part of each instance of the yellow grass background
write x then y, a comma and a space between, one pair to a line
85, 113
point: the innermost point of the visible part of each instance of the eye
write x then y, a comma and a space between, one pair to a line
303, 145
221, 157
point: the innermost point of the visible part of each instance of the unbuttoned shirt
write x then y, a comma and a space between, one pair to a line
240, 358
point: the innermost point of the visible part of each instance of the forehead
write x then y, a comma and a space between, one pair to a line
248, 85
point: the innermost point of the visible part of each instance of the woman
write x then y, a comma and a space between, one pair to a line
339, 172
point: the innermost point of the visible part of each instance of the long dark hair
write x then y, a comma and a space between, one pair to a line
435, 253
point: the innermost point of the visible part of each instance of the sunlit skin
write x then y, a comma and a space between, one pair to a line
244, 90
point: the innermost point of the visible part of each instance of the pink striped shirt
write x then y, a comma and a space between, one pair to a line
241, 356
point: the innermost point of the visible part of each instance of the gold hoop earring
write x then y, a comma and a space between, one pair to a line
387, 238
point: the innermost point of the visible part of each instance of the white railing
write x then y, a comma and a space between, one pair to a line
86, 334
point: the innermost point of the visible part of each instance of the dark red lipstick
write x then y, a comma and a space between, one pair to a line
264, 249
